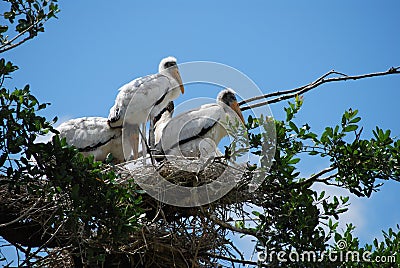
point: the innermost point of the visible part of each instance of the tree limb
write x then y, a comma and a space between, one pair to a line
287, 94
316, 176
23, 216
9, 44
228, 226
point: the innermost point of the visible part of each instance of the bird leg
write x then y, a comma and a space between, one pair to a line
134, 141
151, 135
143, 138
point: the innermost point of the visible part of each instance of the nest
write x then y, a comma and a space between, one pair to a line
169, 236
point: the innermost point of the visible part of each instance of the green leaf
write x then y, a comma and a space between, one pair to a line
75, 192
293, 127
239, 224
256, 213
293, 161
344, 199
321, 195
350, 128
355, 120
337, 237
3, 28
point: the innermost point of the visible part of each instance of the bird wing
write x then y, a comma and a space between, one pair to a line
144, 92
190, 125
88, 133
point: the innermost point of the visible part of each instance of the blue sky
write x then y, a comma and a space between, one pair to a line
96, 46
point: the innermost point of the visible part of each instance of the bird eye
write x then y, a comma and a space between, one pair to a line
169, 64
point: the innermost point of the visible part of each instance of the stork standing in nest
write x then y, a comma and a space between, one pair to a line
144, 98
197, 133
94, 136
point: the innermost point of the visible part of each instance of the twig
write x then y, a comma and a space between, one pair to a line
144, 240
147, 148
278, 93
42, 246
316, 176
22, 216
227, 225
288, 94
9, 45
327, 179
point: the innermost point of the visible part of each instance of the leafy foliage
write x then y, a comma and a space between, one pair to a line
294, 213
29, 17
88, 203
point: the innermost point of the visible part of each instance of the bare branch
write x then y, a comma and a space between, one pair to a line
288, 94
9, 44
278, 93
34, 254
26, 213
228, 226
316, 176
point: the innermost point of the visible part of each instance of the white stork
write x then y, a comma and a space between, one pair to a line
197, 133
143, 98
93, 135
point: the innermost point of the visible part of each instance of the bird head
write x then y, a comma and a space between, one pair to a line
227, 97
168, 65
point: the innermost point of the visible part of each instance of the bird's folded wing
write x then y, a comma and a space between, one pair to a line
88, 132
140, 94
190, 125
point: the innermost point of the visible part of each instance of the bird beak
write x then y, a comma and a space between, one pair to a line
178, 78
236, 108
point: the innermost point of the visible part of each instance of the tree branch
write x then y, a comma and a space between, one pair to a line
278, 93
287, 94
316, 176
228, 226
23, 216
9, 44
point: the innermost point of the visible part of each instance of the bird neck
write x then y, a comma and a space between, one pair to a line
168, 73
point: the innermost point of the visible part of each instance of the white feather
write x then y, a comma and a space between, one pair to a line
136, 99
93, 136
143, 98
196, 132
160, 125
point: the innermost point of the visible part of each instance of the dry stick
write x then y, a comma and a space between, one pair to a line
327, 179
196, 253
236, 249
50, 254
22, 216
278, 93
147, 148
227, 225
9, 43
316, 176
42, 246
288, 94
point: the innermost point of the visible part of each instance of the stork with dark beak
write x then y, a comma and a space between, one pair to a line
198, 132
144, 98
